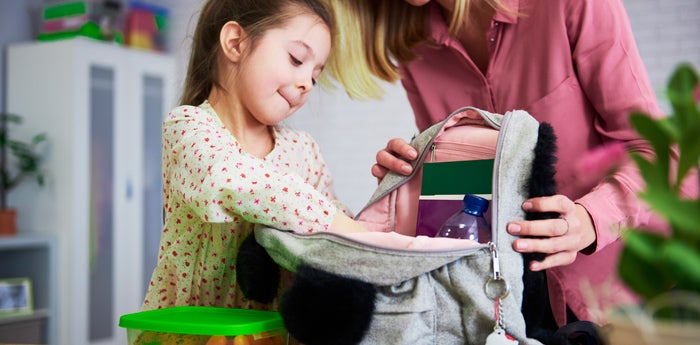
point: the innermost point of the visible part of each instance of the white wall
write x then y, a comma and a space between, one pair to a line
667, 33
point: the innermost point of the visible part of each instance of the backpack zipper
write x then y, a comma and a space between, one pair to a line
496, 173
447, 147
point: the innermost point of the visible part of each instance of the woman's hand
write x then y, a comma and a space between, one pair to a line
562, 238
393, 158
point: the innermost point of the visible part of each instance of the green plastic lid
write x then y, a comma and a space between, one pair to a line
203, 321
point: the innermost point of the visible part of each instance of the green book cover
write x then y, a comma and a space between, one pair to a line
459, 177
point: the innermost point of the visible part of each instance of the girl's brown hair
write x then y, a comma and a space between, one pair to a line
374, 36
255, 16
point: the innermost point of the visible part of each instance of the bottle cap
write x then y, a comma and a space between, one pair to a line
475, 204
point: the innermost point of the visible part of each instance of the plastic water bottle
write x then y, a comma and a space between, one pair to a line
469, 223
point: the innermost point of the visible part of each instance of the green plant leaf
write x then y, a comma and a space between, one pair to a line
651, 264
639, 260
38, 139
681, 86
654, 177
680, 92
684, 215
23, 159
682, 261
683, 79
689, 153
9, 117
657, 134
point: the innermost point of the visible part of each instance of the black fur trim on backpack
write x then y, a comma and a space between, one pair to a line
536, 307
322, 308
541, 182
257, 274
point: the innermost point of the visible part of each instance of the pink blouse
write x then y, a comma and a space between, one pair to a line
575, 65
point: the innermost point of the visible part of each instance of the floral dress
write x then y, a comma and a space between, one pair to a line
214, 194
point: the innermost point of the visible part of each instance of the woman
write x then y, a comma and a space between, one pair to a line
571, 63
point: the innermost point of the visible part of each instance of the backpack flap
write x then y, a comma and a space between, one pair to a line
375, 257
513, 164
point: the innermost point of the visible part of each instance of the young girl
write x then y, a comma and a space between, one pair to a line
227, 165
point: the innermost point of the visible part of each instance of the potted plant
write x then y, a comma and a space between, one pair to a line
664, 270
18, 161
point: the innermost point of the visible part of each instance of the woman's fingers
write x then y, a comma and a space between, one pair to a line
547, 244
560, 238
379, 172
540, 228
560, 250
555, 203
401, 148
394, 158
553, 260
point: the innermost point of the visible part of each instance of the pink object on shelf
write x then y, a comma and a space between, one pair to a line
145, 26
64, 24
141, 29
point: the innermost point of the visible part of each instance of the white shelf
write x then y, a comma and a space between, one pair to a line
32, 256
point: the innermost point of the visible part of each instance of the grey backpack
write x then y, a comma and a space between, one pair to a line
388, 288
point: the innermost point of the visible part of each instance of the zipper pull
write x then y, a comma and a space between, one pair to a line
496, 287
495, 262
432, 152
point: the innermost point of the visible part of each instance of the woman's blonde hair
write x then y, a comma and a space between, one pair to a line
373, 37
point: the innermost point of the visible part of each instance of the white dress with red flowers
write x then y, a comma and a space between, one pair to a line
214, 193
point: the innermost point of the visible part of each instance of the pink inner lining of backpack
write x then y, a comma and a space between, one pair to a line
399, 241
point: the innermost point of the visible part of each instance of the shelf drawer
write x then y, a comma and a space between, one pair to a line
28, 329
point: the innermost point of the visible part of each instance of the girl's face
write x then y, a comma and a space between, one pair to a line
277, 75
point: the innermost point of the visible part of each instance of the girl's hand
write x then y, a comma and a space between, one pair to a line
344, 224
393, 158
562, 238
